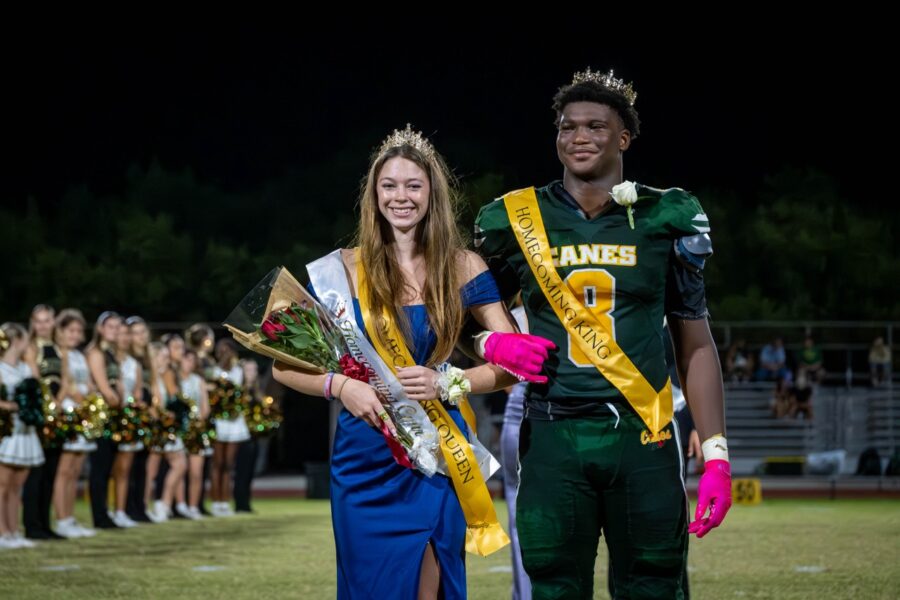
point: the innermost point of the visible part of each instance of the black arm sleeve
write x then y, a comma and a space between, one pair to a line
685, 292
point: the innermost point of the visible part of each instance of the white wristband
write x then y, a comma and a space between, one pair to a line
715, 448
480, 341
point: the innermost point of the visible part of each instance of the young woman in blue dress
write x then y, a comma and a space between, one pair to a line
398, 533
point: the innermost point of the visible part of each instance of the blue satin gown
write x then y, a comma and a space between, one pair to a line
384, 515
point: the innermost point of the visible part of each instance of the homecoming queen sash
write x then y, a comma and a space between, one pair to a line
484, 535
329, 279
589, 333
470, 464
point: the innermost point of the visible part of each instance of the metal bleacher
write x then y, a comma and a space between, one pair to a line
754, 434
849, 414
849, 419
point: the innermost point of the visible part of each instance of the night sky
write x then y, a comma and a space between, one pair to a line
245, 106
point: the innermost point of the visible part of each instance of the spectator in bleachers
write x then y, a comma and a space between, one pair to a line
781, 399
879, 362
810, 364
792, 399
773, 362
801, 395
738, 362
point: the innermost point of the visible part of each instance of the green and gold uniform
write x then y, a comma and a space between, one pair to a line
588, 461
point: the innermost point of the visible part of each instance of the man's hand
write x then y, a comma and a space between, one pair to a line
713, 493
520, 354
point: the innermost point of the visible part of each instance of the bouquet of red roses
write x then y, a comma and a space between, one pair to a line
280, 319
297, 331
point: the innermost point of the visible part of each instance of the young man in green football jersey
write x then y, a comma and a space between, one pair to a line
600, 261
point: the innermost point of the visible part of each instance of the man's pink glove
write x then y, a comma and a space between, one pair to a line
714, 493
520, 354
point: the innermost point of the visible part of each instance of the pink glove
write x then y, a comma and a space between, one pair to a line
713, 492
520, 354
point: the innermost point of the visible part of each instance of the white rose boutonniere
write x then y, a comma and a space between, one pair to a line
625, 194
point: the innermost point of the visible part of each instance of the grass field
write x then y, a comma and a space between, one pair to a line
782, 549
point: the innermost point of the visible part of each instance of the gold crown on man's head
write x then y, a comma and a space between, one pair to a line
607, 80
408, 137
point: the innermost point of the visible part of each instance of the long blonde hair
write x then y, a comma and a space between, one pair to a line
437, 235
143, 354
97, 337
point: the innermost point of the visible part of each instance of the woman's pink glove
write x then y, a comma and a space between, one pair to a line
713, 492
520, 354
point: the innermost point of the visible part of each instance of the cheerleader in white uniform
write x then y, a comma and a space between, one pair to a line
69, 333
140, 350
194, 387
165, 386
227, 365
199, 337
131, 392
229, 433
105, 373
20, 450
45, 358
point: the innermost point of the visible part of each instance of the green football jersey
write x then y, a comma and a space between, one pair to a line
618, 273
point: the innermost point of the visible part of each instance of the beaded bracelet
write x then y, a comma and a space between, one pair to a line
326, 389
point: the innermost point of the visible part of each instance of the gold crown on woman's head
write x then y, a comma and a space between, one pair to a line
4, 341
408, 137
607, 80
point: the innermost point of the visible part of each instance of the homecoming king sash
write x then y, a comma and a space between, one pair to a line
589, 333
